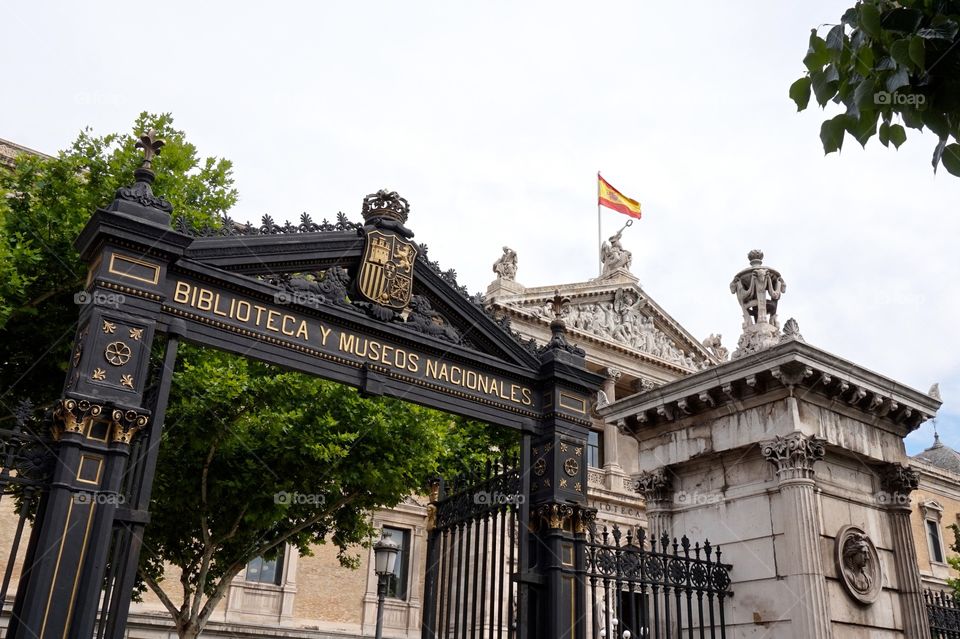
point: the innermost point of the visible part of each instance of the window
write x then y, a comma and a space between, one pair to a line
266, 571
932, 512
397, 585
594, 449
936, 546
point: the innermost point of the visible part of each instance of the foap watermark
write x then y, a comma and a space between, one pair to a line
695, 498
300, 499
883, 498
498, 498
100, 499
114, 300
307, 298
885, 98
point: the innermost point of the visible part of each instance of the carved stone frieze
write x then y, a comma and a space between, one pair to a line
794, 455
622, 320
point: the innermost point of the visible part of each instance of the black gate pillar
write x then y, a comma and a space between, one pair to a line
101, 411
558, 492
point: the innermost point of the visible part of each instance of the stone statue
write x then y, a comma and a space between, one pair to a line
758, 290
712, 344
506, 266
613, 256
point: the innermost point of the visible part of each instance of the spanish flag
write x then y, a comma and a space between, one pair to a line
614, 199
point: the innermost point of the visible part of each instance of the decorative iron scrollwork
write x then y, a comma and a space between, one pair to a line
229, 227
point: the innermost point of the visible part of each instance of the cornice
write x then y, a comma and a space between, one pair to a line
795, 366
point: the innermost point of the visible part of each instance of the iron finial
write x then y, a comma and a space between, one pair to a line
151, 146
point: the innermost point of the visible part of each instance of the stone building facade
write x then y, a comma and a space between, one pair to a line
790, 458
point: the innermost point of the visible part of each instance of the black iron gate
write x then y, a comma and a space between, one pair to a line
474, 556
943, 611
656, 588
25, 460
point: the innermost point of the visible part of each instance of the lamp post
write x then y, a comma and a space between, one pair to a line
385, 561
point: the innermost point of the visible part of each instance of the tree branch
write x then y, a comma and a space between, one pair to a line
161, 595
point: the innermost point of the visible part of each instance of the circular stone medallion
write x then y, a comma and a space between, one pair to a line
858, 564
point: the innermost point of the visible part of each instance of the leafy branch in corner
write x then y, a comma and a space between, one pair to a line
892, 64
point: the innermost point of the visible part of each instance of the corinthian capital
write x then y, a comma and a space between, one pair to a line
612, 373
794, 455
899, 479
655, 485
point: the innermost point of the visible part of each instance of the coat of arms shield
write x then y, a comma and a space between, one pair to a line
386, 272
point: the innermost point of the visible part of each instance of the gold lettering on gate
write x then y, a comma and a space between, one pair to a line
268, 320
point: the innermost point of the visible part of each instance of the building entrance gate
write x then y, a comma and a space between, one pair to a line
357, 304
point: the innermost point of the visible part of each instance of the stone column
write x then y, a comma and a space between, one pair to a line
794, 457
900, 480
611, 451
657, 488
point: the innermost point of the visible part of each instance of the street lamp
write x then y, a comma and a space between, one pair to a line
385, 561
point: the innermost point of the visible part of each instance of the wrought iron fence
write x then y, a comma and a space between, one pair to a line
26, 459
473, 553
943, 610
669, 589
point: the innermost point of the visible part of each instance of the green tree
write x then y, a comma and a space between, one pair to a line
891, 63
252, 457
44, 204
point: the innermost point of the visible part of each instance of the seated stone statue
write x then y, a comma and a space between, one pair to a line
506, 266
613, 256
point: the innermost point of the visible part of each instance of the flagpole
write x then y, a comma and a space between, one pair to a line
599, 234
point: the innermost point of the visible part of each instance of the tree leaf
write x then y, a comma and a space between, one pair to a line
823, 88
800, 92
936, 122
900, 51
938, 153
951, 159
864, 127
832, 132
834, 40
863, 60
917, 52
870, 19
886, 63
911, 117
884, 134
946, 30
900, 78
864, 95
897, 135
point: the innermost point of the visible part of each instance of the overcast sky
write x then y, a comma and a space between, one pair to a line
493, 118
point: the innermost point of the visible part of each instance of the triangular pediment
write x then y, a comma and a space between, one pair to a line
611, 312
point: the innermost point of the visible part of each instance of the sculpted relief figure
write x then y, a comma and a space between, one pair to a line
614, 256
859, 564
622, 321
506, 266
